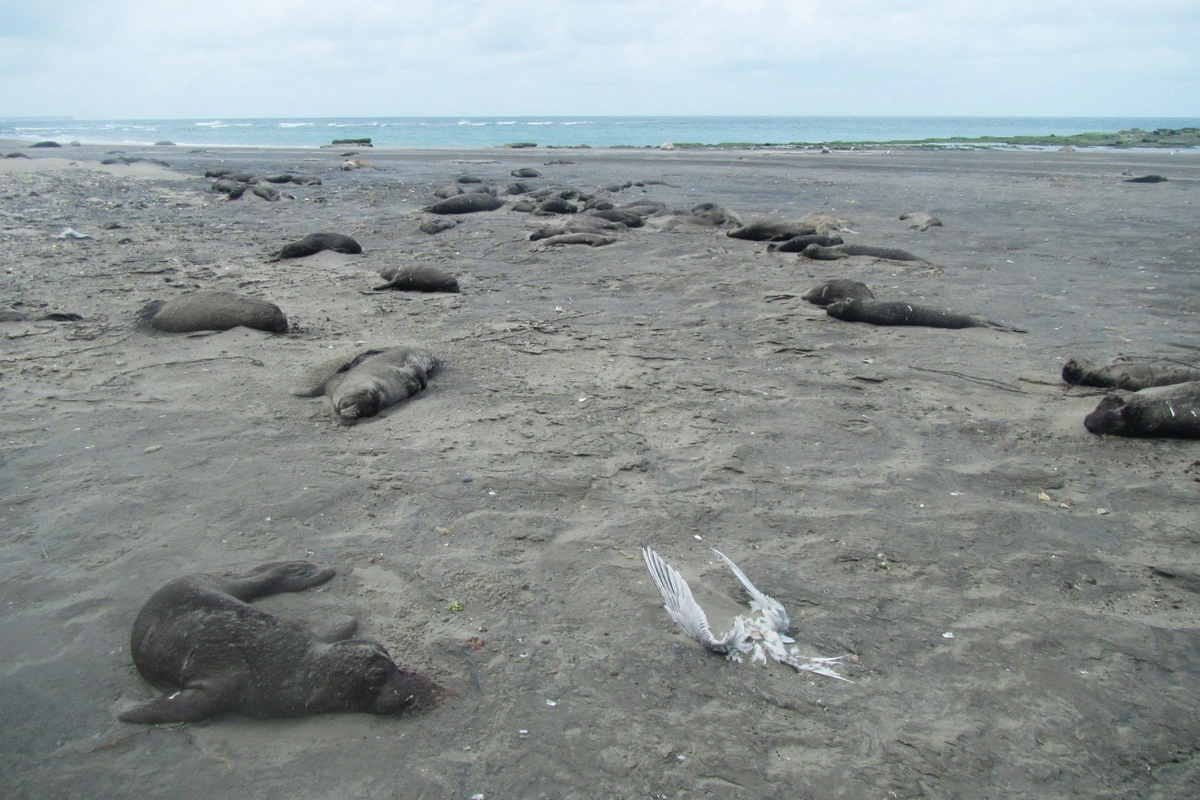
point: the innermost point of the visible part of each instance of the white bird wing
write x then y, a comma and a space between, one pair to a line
684, 609
772, 610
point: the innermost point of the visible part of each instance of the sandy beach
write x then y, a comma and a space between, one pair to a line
1019, 600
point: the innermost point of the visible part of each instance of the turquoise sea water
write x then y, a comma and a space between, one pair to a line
471, 132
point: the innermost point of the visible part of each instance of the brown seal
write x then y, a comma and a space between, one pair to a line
884, 312
199, 639
416, 278
834, 291
213, 311
466, 204
819, 253
765, 230
1164, 412
1127, 375
316, 242
365, 384
798, 243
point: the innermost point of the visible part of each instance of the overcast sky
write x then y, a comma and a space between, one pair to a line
286, 58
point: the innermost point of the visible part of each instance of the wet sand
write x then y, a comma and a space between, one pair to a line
926, 501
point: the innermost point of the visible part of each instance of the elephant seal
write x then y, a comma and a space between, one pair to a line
1164, 412
266, 192
199, 639
920, 220
555, 205
316, 242
1147, 179
451, 190
525, 172
465, 204
593, 239
231, 188
581, 224
417, 278
765, 230
437, 225
883, 312
219, 172
515, 188
363, 385
1128, 376
816, 252
837, 290
213, 311
630, 219
798, 243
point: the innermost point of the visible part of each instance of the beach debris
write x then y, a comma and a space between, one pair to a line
757, 636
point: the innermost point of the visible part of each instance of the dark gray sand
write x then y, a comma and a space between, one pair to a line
926, 501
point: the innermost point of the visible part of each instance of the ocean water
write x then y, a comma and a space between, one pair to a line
475, 132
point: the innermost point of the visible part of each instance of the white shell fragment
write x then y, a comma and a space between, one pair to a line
758, 636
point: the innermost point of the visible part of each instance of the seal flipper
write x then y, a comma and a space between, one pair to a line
275, 578
186, 705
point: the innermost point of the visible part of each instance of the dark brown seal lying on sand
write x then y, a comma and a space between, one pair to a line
588, 238
213, 311
199, 639
1165, 412
416, 278
365, 384
1126, 375
1147, 179
316, 242
797, 243
466, 204
764, 230
834, 291
884, 312
819, 253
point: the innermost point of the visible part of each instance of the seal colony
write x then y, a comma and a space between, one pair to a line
199, 639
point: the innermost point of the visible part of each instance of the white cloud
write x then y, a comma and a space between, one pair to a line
301, 57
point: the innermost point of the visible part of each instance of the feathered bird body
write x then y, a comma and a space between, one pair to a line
758, 636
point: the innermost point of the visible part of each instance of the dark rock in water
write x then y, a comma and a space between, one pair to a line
417, 278
1164, 412
834, 291
771, 231
316, 242
438, 225
816, 252
555, 205
466, 204
1147, 179
525, 172
629, 219
1130, 376
164, 143
797, 244
214, 311
45, 144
